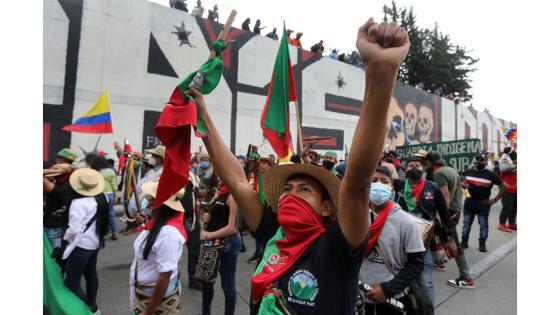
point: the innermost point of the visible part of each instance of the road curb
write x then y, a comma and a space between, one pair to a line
492, 259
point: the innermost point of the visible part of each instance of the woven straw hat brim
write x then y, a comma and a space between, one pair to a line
275, 178
78, 187
150, 188
158, 150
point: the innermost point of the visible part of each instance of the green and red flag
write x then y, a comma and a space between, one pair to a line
275, 118
174, 125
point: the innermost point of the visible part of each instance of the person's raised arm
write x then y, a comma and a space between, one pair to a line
229, 168
382, 64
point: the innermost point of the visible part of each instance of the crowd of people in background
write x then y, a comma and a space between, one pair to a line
80, 199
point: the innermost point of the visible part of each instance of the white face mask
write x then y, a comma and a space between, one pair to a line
151, 160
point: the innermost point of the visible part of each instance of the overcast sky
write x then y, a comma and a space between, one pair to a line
475, 24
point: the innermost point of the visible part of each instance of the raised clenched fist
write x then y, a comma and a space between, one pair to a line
385, 43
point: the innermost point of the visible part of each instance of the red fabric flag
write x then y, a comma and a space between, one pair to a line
174, 131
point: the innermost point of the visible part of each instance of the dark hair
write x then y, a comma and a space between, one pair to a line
99, 163
414, 159
102, 218
163, 214
295, 159
111, 162
322, 190
384, 170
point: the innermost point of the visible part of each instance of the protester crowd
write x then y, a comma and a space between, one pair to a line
368, 229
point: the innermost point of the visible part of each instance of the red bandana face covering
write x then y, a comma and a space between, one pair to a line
300, 225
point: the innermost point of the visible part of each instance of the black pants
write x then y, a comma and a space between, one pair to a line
82, 262
509, 208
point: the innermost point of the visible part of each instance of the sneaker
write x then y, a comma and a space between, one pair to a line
439, 267
243, 249
482, 247
502, 227
115, 237
95, 310
512, 226
464, 245
254, 259
461, 283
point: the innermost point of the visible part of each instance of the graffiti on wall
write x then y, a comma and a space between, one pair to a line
414, 116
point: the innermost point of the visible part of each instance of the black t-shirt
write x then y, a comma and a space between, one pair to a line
481, 182
324, 280
55, 212
219, 214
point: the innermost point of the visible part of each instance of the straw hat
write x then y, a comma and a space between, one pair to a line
87, 182
174, 202
67, 154
275, 178
421, 154
159, 150
201, 156
61, 167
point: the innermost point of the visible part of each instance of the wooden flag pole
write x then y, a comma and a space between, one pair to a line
225, 31
300, 140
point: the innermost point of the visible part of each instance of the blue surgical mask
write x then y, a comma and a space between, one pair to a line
204, 164
379, 193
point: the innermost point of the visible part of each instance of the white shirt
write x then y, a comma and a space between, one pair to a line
80, 212
163, 257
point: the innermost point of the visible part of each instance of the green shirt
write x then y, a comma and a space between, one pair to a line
110, 180
447, 176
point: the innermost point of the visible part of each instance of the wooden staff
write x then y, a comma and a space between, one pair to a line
225, 31
300, 140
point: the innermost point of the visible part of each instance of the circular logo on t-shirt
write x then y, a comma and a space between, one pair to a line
303, 285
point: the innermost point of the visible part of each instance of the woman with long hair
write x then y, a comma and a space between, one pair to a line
221, 226
101, 165
154, 273
88, 223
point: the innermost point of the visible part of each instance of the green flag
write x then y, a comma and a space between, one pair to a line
58, 299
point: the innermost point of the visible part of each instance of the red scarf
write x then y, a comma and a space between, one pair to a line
397, 163
175, 221
437, 167
301, 226
377, 226
417, 190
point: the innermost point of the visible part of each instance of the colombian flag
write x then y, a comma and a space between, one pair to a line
96, 120
275, 118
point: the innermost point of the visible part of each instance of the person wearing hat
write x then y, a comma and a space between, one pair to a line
329, 161
507, 166
55, 210
449, 183
66, 156
392, 157
154, 273
88, 224
155, 159
315, 226
479, 181
205, 171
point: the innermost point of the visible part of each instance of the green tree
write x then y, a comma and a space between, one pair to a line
433, 59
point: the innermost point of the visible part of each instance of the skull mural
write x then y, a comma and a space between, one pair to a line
395, 132
425, 123
410, 118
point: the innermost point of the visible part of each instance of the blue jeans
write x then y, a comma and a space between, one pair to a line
82, 262
112, 216
193, 246
424, 288
55, 235
228, 265
471, 209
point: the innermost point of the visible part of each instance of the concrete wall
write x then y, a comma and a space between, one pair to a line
129, 48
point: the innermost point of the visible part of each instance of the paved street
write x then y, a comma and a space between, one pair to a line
495, 293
